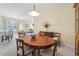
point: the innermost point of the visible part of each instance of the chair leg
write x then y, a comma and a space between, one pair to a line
55, 49
2, 39
38, 52
7, 38
59, 43
33, 53
17, 54
11, 37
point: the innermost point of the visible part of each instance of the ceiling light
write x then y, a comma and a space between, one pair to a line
34, 12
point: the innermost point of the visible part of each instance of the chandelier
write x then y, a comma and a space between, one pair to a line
34, 12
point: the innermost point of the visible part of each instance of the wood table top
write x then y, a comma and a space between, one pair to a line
38, 41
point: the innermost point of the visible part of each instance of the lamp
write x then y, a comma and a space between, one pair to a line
34, 12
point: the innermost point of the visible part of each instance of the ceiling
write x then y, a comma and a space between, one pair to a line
21, 10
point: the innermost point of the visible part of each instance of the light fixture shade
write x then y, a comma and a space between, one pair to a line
34, 13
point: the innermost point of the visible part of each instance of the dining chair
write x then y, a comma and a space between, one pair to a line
22, 49
7, 35
21, 33
50, 34
10, 34
50, 51
57, 36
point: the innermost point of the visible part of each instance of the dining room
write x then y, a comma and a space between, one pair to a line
37, 29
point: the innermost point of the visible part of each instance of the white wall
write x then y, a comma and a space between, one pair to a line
66, 22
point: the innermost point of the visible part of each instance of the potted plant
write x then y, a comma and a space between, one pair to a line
46, 25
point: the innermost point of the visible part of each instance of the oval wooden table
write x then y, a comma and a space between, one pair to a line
39, 42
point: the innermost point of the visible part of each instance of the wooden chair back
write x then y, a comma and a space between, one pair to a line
50, 34
20, 44
58, 35
21, 33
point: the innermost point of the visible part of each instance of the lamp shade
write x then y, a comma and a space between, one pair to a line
34, 13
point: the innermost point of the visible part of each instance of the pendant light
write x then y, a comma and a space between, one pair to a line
34, 12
